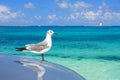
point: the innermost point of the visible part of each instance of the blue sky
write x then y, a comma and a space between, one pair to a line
59, 12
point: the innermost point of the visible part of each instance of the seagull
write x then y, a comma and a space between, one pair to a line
41, 47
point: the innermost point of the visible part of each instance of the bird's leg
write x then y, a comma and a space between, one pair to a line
42, 57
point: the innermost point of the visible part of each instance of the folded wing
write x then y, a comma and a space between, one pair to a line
37, 47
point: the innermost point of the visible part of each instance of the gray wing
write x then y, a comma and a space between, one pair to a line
37, 47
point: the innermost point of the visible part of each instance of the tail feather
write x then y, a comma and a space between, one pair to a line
21, 49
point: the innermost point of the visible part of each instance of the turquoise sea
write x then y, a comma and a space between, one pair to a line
93, 52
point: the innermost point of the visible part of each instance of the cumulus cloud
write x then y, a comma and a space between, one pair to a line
81, 5
104, 6
91, 15
107, 15
29, 5
62, 3
75, 6
79, 11
52, 18
38, 17
3, 8
75, 16
6, 14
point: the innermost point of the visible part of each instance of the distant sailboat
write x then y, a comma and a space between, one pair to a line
100, 24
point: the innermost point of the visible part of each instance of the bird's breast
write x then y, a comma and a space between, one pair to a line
49, 43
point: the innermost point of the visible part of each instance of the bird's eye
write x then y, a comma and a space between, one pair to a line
50, 31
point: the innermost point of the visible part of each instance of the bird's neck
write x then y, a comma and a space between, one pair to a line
48, 39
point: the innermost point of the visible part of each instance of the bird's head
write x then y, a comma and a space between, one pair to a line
50, 32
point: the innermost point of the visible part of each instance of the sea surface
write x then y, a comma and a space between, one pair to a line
93, 52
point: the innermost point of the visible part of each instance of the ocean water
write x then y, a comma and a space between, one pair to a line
93, 52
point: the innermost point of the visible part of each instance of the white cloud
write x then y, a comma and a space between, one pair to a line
38, 17
84, 11
80, 5
62, 4
103, 13
103, 6
6, 14
91, 15
29, 5
3, 8
107, 15
74, 16
88, 15
76, 6
52, 18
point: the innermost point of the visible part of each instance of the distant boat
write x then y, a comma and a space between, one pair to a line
100, 24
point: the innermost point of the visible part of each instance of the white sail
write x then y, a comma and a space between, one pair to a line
100, 24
